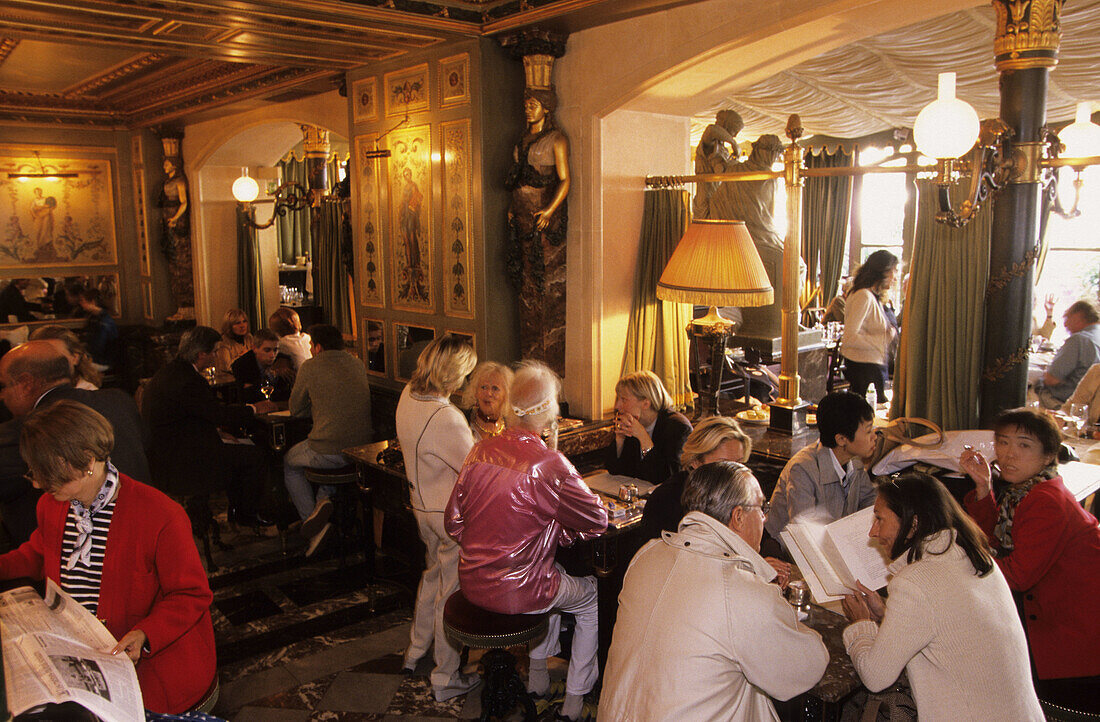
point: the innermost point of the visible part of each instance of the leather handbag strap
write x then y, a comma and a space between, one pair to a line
900, 431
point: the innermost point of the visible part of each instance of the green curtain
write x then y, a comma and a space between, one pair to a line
250, 290
826, 203
940, 356
656, 338
329, 268
292, 230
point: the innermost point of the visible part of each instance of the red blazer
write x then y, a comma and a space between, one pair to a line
1056, 566
152, 581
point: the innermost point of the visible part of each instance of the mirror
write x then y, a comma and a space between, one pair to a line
52, 298
374, 349
410, 341
467, 337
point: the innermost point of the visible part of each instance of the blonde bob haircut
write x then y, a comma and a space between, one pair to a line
484, 370
62, 440
442, 366
533, 399
232, 317
708, 435
647, 386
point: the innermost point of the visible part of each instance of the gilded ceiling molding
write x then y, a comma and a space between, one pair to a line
122, 71
1028, 33
6, 46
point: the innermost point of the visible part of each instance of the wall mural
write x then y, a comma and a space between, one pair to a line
458, 270
370, 221
407, 90
364, 100
54, 221
410, 178
454, 86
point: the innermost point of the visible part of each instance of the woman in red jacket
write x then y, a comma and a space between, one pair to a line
1048, 548
122, 549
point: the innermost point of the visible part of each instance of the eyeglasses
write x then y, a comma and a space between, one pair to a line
764, 507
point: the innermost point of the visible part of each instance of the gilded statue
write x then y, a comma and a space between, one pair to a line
175, 241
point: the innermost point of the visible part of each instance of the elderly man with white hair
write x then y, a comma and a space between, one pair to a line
515, 501
702, 633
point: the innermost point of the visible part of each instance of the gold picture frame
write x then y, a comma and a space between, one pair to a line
454, 80
364, 100
458, 272
368, 189
412, 221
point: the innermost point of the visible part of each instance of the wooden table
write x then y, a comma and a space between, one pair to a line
281, 430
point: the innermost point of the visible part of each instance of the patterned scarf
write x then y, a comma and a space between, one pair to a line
82, 516
1009, 500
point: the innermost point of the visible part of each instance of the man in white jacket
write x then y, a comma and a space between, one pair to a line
701, 632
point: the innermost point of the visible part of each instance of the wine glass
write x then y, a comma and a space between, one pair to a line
211, 375
1080, 415
266, 388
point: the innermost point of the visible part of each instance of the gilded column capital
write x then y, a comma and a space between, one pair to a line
1028, 33
315, 140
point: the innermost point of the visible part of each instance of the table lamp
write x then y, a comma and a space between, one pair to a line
715, 264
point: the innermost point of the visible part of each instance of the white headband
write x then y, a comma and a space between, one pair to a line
538, 408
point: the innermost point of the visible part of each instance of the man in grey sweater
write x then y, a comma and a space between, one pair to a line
333, 388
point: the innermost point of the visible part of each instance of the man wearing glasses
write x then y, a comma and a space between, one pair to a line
702, 633
827, 478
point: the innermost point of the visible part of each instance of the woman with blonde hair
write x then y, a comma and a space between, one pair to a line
649, 433
85, 373
486, 395
235, 341
716, 438
435, 440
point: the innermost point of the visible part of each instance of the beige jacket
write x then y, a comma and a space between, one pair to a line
867, 331
702, 635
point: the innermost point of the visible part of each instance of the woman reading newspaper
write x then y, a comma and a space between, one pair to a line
949, 622
123, 550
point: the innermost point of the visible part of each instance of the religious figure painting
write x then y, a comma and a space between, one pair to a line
454, 76
54, 220
407, 90
364, 99
410, 178
457, 269
371, 285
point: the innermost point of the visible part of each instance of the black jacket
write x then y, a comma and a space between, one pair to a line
669, 434
182, 415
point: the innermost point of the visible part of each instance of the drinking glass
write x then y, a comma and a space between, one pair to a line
266, 389
1080, 415
211, 375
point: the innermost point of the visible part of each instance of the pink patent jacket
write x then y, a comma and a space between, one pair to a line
514, 503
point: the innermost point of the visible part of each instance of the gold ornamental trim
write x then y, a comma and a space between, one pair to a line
1029, 33
315, 141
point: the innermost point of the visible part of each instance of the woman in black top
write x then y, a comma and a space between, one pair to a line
649, 433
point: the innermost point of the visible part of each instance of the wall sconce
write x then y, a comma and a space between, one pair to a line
948, 130
290, 196
41, 173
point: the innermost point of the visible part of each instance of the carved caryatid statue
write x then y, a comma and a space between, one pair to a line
537, 215
175, 241
716, 151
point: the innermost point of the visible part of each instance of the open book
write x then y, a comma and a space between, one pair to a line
55, 651
832, 557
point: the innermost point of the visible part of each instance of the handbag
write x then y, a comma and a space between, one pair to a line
901, 431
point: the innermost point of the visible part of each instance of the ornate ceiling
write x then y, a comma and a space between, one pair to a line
127, 64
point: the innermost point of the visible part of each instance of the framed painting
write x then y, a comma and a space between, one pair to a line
368, 190
56, 220
409, 340
458, 286
454, 80
410, 191
364, 100
374, 345
407, 90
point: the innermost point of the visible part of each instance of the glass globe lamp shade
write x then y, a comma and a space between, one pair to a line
245, 189
947, 127
1082, 136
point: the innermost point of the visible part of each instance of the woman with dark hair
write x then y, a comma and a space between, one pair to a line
950, 622
869, 326
123, 550
1048, 548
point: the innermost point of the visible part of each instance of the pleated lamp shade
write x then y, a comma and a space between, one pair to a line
716, 264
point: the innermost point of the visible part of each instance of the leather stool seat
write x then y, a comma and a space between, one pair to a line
347, 501
468, 625
346, 474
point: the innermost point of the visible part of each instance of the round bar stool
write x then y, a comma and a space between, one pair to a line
468, 625
346, 499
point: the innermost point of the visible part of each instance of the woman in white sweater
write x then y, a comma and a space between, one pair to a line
868, 325
949, 622
435, 439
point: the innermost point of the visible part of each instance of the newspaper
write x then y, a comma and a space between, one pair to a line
55, 651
